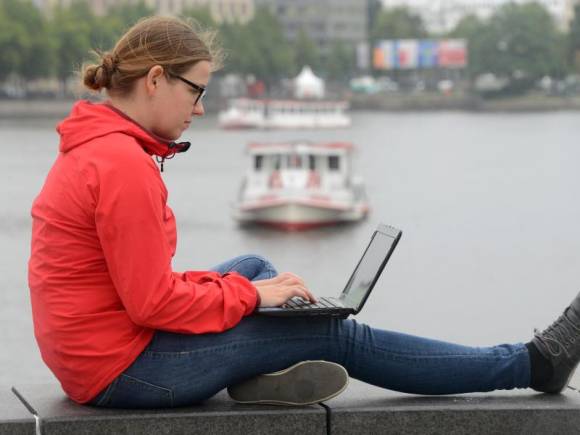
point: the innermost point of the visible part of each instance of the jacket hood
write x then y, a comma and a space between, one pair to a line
88, 121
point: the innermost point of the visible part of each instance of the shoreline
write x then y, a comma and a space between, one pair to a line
463, 103
57, 109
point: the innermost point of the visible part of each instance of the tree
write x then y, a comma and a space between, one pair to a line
520, 43
258, 48
306, 52
38, 56
240, 51
468, 27
397, 23
472, 29
116, 21
26, 53
202, 15
11, 36
73, 30
574, 40
340, 64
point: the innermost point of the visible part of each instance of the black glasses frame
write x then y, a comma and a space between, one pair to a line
198, 88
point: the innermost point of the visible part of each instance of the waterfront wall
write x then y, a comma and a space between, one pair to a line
57, 109
361, 409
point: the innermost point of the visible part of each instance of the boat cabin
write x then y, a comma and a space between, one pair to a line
299, 166
249, 113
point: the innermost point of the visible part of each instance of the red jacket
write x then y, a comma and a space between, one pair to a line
100, 271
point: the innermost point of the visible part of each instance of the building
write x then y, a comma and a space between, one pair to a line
441, 16
221, 10
324, 21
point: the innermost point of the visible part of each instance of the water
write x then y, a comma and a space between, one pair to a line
488, 205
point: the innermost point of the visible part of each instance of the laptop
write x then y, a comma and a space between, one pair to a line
358, 288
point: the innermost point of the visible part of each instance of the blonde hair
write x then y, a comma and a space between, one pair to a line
172, 43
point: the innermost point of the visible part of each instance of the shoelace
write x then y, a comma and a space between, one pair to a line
559, 335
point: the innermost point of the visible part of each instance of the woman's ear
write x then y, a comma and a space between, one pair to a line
154, 77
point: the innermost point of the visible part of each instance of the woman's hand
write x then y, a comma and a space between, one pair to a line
274, 292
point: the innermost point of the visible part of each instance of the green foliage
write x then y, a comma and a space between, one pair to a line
468, 27
340, 64
201, 15
574, 40
11, 39
258, 48
34, 46
24, 52
118, 19
73, 30
306, 52
397, 23
520, 42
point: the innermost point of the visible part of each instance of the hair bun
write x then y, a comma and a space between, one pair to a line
109, 63
172, 43
97, 77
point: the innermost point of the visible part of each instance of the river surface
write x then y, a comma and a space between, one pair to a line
488, 204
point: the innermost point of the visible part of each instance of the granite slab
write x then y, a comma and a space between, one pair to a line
219, 415
575, 381
15, 419
365, 409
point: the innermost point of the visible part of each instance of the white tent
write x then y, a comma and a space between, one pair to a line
307, 85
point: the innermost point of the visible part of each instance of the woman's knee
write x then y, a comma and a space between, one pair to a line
253, 267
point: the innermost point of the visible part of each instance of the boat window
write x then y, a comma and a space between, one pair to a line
258, 162
295, 161
311, 162
277, 162
333, 163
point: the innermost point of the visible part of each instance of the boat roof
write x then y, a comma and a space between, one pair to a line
299, 147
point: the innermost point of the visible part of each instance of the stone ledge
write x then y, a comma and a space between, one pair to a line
361, 409
219, 415
364, 409
15, 419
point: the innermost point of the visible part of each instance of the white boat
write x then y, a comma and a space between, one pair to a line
254, 113
300, 185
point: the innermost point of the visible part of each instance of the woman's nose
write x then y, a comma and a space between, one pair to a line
198, 109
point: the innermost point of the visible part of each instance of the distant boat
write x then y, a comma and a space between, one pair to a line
255, 113
300, 185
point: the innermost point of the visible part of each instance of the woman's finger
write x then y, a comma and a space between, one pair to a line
311, 296
300, 292
290, 278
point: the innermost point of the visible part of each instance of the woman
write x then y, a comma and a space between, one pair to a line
119, 328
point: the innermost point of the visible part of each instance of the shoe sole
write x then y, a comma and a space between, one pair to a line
566, 384
305, 383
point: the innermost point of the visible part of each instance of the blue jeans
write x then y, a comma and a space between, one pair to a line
177, 369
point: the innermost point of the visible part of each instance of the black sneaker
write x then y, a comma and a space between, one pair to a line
305, 383
560, 345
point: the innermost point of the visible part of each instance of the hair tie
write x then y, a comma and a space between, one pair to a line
109, 63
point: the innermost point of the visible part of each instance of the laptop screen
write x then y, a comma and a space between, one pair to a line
370, 267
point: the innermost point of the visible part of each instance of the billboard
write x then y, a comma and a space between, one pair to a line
384, 55
453, 53
407, 54
428, 53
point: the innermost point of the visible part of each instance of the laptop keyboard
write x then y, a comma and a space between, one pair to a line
297, 303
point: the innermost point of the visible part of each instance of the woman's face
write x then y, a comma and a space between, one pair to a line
175, 101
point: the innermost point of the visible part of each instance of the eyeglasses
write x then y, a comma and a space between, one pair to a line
193, 86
